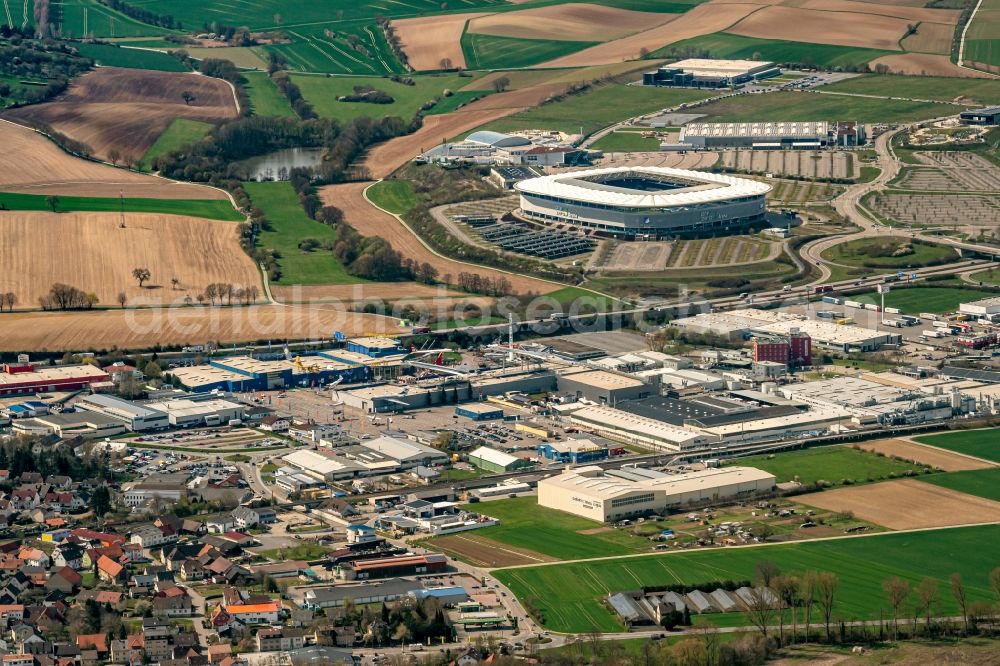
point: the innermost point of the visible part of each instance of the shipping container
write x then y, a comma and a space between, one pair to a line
853, 304
873, 307
929, 315
831, 299
892, 310
933, 334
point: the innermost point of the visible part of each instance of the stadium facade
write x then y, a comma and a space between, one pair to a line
644, 202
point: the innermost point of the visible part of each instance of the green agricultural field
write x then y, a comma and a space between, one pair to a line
982, 43
356, 47
395, 196
116, 56
855, 253
524, 524
179, 133
983, 91
322, 92
265, 99
725, 45
455, 100
568, 596
626, 142
492, 52
289, 226
212, 209
603, 106
983, 444
979, 482
820, 106
832, 464
101, 20
924, 299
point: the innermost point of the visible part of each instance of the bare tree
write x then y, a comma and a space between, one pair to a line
788, 594
128, 160
445, 63
114, 155
807, 592
826, 590
141, 274
958, 591
122, 299
187, 96
767, 571
760, 608
927, 598
897, 590
174, 283
10, 300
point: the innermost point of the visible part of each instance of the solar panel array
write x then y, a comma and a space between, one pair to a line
544, 244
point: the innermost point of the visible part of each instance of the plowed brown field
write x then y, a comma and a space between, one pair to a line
824, 27
702, 20
35, 165
926, 64
926, 455
428, 39
480, 551
906, 504
580, 22
91, 252
127, 109
144, 328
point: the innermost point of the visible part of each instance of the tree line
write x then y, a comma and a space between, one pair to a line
144, 15
67, 297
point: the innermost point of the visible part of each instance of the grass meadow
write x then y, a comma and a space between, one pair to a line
569, 595
833, 464
524, 524
290, 225
322, 92
212, 209
265, 99
984, 91
493, 52
925, 299
626, 142
983, 444
979, 482
808, 106
395, 196
179, 133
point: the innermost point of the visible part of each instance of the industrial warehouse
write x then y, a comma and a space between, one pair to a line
644, 202
612, 495
769, 135
710, 73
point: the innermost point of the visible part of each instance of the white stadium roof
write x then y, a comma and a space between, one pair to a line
704, 187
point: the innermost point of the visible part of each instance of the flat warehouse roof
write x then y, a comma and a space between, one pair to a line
52, 373
603, 379
494, 456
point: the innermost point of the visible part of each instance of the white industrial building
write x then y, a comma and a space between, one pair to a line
622, 426
383, 455
592, 493
741, 324
187, 413
987, 307
137, 418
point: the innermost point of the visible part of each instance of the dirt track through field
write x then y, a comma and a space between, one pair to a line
127, 109
429, 39
371, 221
35, 165
926, 64
579, 22
702, 20
906, 504
144, 328
925, 455
89, 251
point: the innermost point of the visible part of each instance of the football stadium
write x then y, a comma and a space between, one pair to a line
644, 202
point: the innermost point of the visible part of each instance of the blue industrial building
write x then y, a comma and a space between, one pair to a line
243, 373
573, 451
375, 347
480, 411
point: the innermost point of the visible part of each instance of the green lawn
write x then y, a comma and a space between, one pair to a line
925, 299
492, 52
208, 208
832, 464
395, 196
265, 100
582, 299
979, 482
116, 56
990, 276
569, 595
726, 45
817, 106
854, 253
626, 142
322, 92
524, 524
603, 106
984, 91
978, 443
289, 225
302, 551
179, 133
